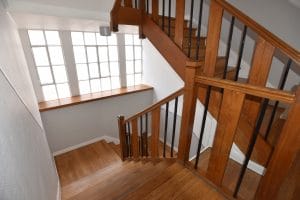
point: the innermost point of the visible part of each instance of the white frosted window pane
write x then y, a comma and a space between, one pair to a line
115, 82
114, 69
82, 72
90, 38
94, 70
104, 70
129, 52
45, 75
79, 54
138, 66
138, 52
49, 92
138, 79
63, 90
40, 56
92, 54
56, 56
77, 38
52, 37
60, 74
103, 57
84, 87
95, 85
130, 80
101, 40
112, 40
137, 40
36, 37
105, 83
113, 53
128, 39
129, 67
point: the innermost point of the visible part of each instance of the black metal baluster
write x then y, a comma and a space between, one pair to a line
241, 51
163, 15
141, 130
166, 128
146, 135
251, 145
174, 125
281, 87
228, 46
147, 7
169, 19
136, 4
191, 28
203, 125
199, 30
129, 139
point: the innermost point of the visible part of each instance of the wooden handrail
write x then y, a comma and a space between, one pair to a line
258, 91
156, 105
263, 32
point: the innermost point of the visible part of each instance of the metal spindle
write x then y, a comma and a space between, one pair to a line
241, 51
191, 28
174, 125
281, 87
147, 7
199, 30
141, 130
146, 135
166, 128
169, 19
228, 46
251, 145
203, 125
136, 4
129, 140
163, 15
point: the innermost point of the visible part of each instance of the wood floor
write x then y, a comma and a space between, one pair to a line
96, 172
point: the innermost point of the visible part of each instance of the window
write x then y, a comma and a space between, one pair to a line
97, 61
49, 62
133, 48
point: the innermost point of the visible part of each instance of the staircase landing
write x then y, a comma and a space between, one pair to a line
96, 172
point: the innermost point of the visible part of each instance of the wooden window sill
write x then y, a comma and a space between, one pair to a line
60, 103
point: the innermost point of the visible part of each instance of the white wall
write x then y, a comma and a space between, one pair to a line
70, 126
27, 170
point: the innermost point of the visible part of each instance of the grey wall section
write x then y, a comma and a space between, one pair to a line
27, 170
77, 124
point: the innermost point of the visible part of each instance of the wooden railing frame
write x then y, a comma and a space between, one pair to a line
122, 133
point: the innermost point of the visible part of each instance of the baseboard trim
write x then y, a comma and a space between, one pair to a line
97, 139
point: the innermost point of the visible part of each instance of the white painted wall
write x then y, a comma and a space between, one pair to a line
70, 126
27, 170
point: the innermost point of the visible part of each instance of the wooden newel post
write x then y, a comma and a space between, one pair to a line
188, 112
122, 133
179, 22
284, 155
142, 13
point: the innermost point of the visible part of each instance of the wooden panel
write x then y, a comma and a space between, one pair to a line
213, 38
261, 31
129, 16
227, 124
188, 114
135, 139
259, 73
128, 3
179, 23
155, 126
273, 94
155, 10
122, 137
284, 155
167, 48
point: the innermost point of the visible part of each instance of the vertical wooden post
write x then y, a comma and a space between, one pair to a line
259, 73
122, 137
155, 10
155, 127
213, 38
135, 139
227, 124
142, 13
179, 22
188, 113
284, 154
128, 3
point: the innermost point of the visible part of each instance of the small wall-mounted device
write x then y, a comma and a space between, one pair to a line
105, 31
